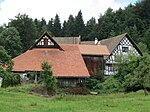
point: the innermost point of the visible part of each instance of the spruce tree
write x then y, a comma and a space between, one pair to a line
57, 27
70, 29
79, 24
50, 26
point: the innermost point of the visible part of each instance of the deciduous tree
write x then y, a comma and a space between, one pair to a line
26, 28
10, 39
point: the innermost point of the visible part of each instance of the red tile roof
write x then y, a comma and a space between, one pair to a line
67, 63
94, 50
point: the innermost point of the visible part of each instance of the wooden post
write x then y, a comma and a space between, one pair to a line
1, 79
35, 80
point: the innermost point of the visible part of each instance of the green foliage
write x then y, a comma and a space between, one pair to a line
79, 24
109, 85
2, 71
100, 75
48, 80
50, 26
57, 27
146, 37
90, 30
11, 41
139, 76
134, 72
5, 60
143, 47
69, 29
122, 65
26, 28
10, 79
92, 81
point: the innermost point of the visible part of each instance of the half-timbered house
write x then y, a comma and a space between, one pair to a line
117, 45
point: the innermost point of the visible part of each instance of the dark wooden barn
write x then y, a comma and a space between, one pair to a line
93, 56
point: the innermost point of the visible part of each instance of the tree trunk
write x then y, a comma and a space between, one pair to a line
145, 91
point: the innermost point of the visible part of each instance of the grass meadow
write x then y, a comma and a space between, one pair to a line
18, 100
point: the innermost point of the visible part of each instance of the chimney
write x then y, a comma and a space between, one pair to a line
96, 41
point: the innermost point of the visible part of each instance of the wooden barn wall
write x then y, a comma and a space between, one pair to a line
93, 63
69, 82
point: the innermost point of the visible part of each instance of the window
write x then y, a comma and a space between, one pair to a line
111, 69
124, 49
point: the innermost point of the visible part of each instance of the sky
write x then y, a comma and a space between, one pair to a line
49, 8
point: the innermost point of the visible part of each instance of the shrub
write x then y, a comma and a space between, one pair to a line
91, 82
47, 78
110, 85
10, 79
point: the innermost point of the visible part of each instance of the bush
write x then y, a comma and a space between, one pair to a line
47, 78
110, 85
10, 79
91, 82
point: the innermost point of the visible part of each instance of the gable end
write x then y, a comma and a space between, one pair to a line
46, 41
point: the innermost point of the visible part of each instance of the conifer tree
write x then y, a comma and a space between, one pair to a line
57, 27
79, 24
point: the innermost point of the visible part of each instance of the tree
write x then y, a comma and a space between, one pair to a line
143, 47
57, 27
106, 24
50, 26
1, 29
47, 77
146, 37
90, 30
122, 66
70, 26
43, 25
64, 29
38, 27
79, 24
5, 59
11, 41
140, 76
26, 28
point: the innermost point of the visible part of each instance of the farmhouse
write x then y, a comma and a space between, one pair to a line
73, 60
71, 63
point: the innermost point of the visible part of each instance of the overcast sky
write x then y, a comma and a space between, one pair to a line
49, 8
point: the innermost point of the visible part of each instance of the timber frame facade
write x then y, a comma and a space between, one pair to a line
119, 45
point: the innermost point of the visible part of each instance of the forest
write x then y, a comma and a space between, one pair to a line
20, 33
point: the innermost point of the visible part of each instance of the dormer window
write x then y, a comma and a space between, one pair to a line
125, 49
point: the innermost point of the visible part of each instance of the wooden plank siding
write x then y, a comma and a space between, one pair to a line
93, 63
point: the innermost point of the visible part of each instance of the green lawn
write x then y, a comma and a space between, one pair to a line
13, 101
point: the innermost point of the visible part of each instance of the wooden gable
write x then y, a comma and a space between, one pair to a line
46, 41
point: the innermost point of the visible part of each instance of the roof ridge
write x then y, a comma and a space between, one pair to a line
121, 35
